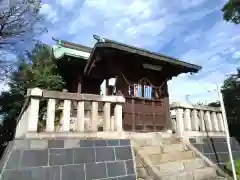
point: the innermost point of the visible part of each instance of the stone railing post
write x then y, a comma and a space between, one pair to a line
51, 107
107, 117
179, 120
112, 121
80, 116
118, 117
94, 116
22, 126
35, 95
201, 121
187, 120
173, 120
214, 121
195, 120
220, 122
208, 122
66, 115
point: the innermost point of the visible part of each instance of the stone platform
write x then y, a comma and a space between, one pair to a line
65, 159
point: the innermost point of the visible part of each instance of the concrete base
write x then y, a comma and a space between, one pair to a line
65, 159
89, 135
215, 148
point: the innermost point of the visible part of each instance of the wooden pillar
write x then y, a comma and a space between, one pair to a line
80, 81
106, 87
133, 116
168, 122
154, 117
121, 85
142, 88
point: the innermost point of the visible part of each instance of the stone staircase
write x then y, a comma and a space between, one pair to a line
169, 159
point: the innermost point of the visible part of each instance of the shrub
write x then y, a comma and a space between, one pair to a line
237, 167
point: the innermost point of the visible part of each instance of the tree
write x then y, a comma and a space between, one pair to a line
214, 104
37, 69
231, 97
19, 22
231, 11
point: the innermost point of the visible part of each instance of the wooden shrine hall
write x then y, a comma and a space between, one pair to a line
140, 76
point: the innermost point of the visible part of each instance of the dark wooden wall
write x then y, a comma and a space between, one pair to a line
141, 113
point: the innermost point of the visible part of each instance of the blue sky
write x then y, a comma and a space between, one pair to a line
191, 30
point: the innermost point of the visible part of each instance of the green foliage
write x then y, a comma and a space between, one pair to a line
37, 69
231, 11
20, 23
214, 104
237, 167
231, 97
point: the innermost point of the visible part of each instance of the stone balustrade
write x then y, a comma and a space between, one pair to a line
192, 120
67, 103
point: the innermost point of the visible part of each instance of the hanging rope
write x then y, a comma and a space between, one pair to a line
147, 80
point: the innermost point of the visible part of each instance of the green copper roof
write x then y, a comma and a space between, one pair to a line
66, 48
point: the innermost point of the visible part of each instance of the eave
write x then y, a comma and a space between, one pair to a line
65, 48
105, 43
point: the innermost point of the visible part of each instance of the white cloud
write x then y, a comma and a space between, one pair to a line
236, 55
50, 13
81, 20
192, 30
67, 3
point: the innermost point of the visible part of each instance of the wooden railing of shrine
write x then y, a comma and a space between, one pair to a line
54, 111
190, 120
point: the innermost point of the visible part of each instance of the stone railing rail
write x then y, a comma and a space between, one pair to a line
29, 116
193, 120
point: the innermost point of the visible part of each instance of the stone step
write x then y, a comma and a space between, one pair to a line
156, 141
152, 149
180, 166
170, 157
169, 141
206, 173
219, 178
174, 147
156, 149
191, 164
145, 142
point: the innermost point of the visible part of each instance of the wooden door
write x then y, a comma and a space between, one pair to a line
146, 107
